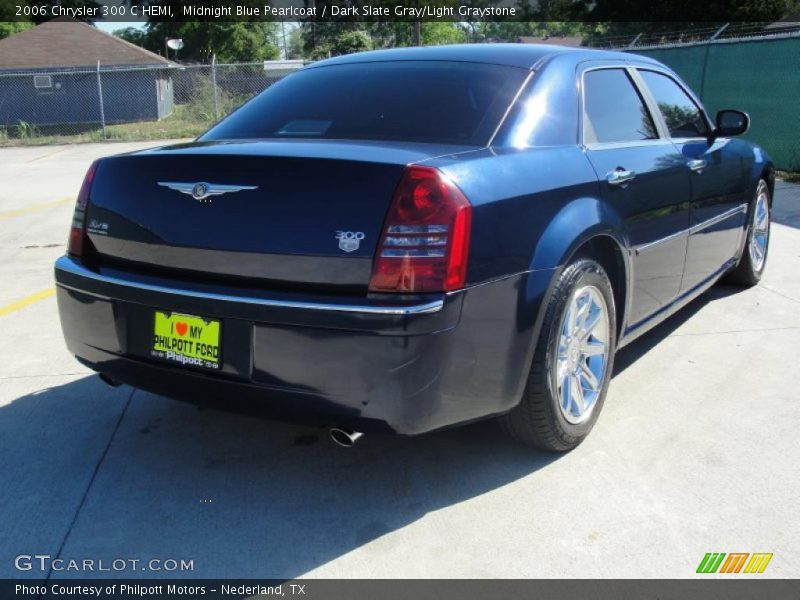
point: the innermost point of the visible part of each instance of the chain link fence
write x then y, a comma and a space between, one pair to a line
661, 39
127, 104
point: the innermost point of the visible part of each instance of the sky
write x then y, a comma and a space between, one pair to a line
110, 26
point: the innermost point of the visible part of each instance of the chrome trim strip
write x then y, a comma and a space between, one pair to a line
67, 265
718, 219
693, 229
669, 238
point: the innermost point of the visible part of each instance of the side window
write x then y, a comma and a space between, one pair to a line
684, 119
614, 111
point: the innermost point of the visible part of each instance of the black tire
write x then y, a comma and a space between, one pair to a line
747, 273
538, 420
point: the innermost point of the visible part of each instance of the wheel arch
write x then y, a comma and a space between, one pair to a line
607, 251
588, 227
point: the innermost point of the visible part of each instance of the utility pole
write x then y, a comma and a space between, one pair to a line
100, 98
214, 86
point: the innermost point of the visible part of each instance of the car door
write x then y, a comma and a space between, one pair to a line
645, 180
718, 179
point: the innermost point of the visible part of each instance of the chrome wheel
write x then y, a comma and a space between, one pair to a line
583, 352
759, 227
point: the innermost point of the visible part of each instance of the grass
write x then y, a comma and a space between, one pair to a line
184, 122
789, 176
180, 124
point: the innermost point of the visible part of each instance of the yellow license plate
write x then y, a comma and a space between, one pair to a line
187, 340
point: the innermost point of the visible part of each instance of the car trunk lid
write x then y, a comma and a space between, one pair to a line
293, 212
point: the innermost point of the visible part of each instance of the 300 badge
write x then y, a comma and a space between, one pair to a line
349, 241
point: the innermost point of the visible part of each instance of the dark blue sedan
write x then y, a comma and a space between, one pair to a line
405, 240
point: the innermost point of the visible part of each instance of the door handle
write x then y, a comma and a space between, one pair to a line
697, 164
620, 177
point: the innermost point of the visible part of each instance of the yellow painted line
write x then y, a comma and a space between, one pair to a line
27, 301
48, 155
33, 208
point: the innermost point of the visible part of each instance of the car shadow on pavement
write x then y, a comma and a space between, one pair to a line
629, 354
786, 208
239, 496
108, 474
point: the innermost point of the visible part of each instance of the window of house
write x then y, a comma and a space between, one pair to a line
42, 82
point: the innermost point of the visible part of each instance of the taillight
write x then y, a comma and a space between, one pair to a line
425, 241
77, 233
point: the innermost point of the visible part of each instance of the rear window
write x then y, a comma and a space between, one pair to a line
441, 102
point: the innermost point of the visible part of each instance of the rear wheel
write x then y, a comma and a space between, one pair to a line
754, 257
572, 362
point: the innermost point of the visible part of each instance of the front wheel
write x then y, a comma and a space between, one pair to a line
754, 257
572, 363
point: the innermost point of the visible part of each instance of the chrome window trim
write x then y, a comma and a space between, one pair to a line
742, 208
67, 265
618, 145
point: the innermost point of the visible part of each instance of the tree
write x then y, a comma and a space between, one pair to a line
11, 24
401, 33
132, 35
511, 31
437, 33
348, 42
294, 47
320, 39
619, 17
665, 15
8, 28
236, 41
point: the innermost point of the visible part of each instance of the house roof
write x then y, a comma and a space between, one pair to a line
572, 42
70, 43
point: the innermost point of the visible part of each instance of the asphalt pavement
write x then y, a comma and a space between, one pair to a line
696, 450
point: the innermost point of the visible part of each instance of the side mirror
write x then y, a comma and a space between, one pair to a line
731, 123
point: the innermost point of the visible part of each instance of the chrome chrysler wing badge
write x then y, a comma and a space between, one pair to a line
201, 190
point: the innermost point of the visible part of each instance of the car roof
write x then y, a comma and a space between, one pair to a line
525, 56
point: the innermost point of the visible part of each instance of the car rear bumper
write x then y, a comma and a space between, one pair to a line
403, 367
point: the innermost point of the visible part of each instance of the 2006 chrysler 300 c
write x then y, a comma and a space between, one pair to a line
404, 240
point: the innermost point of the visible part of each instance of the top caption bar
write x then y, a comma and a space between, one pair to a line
373, 10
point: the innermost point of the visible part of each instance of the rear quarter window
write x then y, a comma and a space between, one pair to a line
614, 111
415, 101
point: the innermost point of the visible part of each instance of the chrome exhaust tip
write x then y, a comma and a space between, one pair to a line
344, 437
108, 381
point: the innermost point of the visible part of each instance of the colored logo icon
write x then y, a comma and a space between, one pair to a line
735, 562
